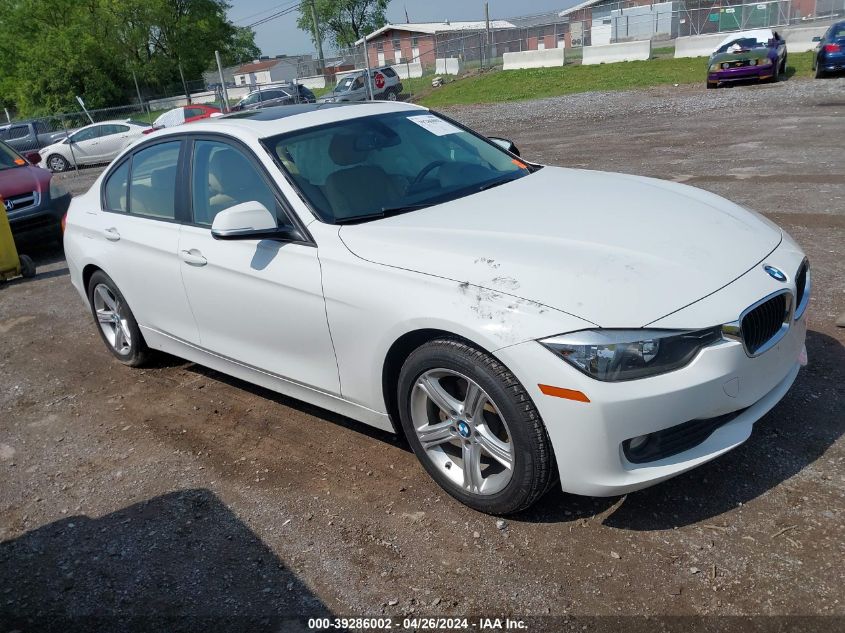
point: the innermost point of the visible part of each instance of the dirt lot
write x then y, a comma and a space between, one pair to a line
177, 491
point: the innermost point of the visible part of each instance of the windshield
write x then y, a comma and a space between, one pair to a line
344, 84
742, 44
9, 158
373, 166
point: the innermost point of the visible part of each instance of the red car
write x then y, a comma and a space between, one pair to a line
181, 115
35, 202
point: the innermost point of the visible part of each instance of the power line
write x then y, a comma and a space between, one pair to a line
271, 9
279, 14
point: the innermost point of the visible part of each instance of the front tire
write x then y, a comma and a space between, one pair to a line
117, 325
57, 163
711, 85
392, 95
474, 428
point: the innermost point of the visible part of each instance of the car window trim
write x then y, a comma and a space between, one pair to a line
181, 214
265, 175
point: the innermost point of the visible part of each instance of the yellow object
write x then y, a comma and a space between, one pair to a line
10, 264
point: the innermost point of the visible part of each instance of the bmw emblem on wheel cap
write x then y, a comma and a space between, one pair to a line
774, 273
463, 429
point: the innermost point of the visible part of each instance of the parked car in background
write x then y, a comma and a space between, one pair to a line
286, 94
92, 144
759, 54
182, 115
518, 323
830, 51
35, 202
384, 81
29, 136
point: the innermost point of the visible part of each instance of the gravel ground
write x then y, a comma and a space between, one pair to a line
176, 491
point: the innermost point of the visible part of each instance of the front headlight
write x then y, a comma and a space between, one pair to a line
764, 62
57, 190
616, 355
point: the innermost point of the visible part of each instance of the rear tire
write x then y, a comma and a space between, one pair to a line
711, 85
116, 323
819, 72
392, 95
492, 418
57, 163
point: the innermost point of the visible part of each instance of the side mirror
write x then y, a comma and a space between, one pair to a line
505, 144
248, 221
33, 157
817, 38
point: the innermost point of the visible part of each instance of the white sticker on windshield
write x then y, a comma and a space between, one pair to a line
434, 124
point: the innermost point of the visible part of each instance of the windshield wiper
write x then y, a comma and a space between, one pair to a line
495, 183
385, 212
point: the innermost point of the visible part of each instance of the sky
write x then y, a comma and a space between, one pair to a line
280, 35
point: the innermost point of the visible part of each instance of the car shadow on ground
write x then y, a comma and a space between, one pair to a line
798, 431
179, 562
299, 405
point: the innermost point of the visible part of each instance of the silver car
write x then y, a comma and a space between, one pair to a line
385, 84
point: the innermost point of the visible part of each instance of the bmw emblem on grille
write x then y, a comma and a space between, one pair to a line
774, 273
9, 205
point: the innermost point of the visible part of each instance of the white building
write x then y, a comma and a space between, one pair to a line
282, 68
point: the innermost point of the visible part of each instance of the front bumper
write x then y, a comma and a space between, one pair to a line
588, 438
743, 73
42, 220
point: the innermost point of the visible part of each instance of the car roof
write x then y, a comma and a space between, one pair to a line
281, 119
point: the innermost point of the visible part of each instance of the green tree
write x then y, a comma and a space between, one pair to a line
53, 51
241, 48
343, 22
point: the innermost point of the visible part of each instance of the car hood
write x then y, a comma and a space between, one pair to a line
18, 180
754, 53
613, 249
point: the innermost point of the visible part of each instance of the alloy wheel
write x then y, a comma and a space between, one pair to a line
114, 325
462, 431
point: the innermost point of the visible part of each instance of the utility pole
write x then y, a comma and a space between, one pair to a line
318, 39
184, 84
487, 33
138, 90
367, 64
222, 82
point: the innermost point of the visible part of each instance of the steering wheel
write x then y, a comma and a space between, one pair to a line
425, 171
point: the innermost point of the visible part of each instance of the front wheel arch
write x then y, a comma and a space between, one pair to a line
396, 356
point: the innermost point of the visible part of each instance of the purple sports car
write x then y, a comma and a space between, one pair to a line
758, 54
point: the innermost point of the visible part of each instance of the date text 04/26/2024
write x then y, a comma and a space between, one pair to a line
418, 624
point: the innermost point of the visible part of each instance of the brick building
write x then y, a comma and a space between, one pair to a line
425, 41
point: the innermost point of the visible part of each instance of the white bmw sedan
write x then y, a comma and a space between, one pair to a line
518, 323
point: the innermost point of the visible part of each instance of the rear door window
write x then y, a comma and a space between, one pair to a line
152, 185
116, 188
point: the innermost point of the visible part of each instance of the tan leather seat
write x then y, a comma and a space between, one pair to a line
233, 180
359, 189
157, 198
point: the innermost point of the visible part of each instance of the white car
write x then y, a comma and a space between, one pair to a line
93, 144
517, 323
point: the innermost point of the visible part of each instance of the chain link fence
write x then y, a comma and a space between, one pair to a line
68, 142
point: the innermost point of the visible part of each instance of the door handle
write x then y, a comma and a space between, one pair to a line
111, 234
193, 257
